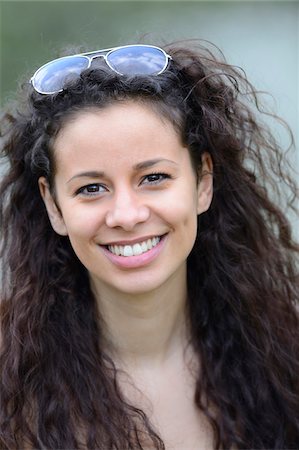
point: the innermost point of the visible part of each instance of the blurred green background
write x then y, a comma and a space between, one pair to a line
260, 36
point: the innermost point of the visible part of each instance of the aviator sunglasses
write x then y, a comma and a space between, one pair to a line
135, 59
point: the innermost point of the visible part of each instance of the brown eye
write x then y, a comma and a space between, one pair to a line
155, 178
92, 189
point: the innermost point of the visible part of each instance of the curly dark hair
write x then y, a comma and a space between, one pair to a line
56, 377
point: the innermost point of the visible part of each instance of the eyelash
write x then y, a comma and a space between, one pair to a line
88, 186
161, 177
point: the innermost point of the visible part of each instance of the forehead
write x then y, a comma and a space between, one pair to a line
125, 131
156, 113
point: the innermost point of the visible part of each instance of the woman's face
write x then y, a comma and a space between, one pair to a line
127, 197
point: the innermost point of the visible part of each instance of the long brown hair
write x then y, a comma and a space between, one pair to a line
56, 378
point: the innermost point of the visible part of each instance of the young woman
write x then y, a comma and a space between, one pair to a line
149, 280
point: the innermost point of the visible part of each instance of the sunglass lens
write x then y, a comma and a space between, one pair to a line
137, 60
53, 76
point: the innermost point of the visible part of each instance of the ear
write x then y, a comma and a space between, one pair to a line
205, 184
54, 214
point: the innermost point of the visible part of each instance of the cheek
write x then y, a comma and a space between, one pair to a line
182, 215
181, 204
82, 222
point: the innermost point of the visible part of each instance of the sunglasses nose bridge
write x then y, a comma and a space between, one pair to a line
95, 57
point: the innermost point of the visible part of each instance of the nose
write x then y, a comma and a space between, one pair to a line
126, 211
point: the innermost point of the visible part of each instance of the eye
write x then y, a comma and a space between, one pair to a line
91, 189
155, 178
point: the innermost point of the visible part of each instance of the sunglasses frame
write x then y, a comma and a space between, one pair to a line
90, 56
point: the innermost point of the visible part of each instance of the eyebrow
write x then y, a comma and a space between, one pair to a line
151, 163
140, 166
91, 174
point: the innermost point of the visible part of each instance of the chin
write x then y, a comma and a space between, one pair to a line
131, 284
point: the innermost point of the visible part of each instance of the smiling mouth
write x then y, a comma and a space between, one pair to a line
136, 249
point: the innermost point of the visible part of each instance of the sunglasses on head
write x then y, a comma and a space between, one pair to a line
135, 59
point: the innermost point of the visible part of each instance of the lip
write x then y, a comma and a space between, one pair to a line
132, 262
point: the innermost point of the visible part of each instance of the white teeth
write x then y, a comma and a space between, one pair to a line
149, 243
128, 250
136, 249
144, 247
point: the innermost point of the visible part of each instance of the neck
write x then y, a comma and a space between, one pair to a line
147, 328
